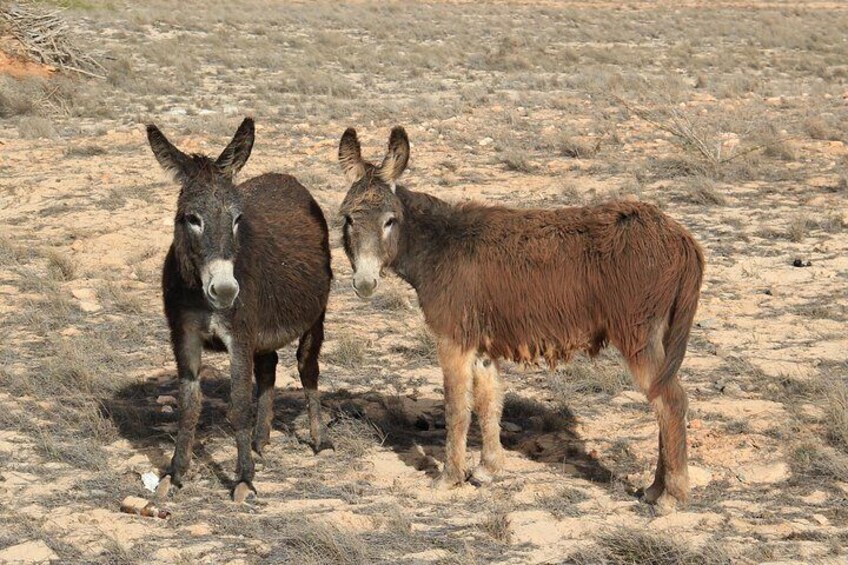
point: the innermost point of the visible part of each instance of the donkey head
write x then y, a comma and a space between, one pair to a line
373, 215
206, 225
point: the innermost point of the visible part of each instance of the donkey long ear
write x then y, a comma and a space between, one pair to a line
170, 158
350, 156
397, 157
233, 158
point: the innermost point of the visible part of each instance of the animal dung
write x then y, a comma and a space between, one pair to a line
142, 507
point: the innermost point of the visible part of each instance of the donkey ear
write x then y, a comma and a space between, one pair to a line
396, 158
350, 156
233, 158
170, 158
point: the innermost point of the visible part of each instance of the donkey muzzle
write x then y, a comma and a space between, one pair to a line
219, 285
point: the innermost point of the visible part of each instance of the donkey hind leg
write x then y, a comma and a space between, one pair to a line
241, 417
456, 368
265, 372
187, 350
671, 477
488, 404
307, 365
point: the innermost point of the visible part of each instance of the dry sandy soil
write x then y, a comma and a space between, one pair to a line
729, 115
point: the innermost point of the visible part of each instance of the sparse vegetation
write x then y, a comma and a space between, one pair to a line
744, 150
497, 526
562, 502
637, 547
349, 351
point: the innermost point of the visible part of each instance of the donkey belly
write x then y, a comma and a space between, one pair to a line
273, 339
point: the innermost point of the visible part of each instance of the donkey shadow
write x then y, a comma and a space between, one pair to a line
413, 429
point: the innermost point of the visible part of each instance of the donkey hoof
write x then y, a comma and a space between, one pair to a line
653, 493
665, 504
243, 491
480, 476
445, 482
323, 445
163, 489
259, 446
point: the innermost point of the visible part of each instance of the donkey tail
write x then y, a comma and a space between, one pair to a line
681, 316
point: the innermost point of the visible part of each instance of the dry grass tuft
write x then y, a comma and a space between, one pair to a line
518, 161
562, 502
120, 298
640, 547
60, 267
497, 526
36, 127
702, 190
354, 435
317, 543
836, 412
348, 352
584, 376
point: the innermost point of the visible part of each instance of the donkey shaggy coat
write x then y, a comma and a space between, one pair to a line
248, 272
524, 284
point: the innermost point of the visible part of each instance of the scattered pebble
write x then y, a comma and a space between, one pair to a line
511, 427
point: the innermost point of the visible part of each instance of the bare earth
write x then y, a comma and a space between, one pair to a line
523, 103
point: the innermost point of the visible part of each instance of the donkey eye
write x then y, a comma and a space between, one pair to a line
236, 222
389, 223
194, 221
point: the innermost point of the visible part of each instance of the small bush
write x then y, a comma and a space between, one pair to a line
517, 161
36, 127
702, 190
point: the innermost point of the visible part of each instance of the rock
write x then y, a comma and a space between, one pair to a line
165, 399
758, 473
199, 530
820, 520
815, 497
696, 424
801, 263
485, 141
511, 427
167, 409
35, 551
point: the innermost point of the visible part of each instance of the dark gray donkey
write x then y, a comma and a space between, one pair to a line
248, 272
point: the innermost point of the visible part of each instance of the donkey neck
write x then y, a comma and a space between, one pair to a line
430, 225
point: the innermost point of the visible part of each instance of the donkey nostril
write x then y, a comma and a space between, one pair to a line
212, 292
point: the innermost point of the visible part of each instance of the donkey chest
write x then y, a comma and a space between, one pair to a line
217, 331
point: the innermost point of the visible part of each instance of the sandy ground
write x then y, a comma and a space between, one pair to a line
767, 335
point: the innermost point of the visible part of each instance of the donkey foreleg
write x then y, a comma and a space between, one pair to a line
187, 351
264, 369
488, 403
240, 415
456, 367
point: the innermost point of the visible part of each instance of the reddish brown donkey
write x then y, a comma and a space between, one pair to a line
248, 272
501, 283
